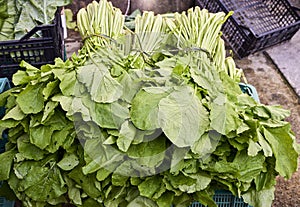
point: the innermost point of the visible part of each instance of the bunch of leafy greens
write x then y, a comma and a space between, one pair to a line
17, 17
114, 127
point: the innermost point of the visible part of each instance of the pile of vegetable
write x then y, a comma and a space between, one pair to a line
150, 117
17, 17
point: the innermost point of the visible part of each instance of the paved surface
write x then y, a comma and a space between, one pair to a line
286, 56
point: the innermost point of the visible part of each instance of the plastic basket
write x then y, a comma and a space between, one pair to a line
37, 51
4, 85
250, 90
256, 24
224, 199
4, 202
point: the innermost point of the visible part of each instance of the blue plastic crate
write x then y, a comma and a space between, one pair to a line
4, 85
250, 90
4, 202
224, 198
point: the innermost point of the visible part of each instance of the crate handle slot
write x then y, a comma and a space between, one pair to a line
35, 30
296, 8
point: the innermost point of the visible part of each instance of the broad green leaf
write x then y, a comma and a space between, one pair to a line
206, 144
31, 100
203, 73
102, 174
32, 12
251, 167
264, 144
40, 136
150, 186
68, 83
253, 148
150, 153
86, 182
182, 182
202, 180
15, 114
64, 101
68, 162
42, 180
144, 109
7, 163
165, 200
100, 84
278, 113
78, 106
49, 110
126, 136
182, 117
130, 84
262, 198
28, 150
142, 202
282, 142
108, 115
50, 89
224, 118
205, 198
99, 156
61, 138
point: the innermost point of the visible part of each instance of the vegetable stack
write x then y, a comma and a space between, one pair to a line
129, 123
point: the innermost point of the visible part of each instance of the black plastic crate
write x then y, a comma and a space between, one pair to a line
38, 47
256, 24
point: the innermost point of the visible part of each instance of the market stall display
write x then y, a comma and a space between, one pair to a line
150, 117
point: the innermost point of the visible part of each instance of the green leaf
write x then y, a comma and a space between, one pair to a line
28, 150
108, 115
251, 167
264, 144
262, 198
35, 12
40, 136
69, 19
50, 89
144, 109
68, 162
150, 186
182, 117
41, 180
207, 144
165, 200
100, 84
87, 182
282, 142
48, 110
148, 154
7, 162
31, 100
142, 202
15, 114
99, 156
224, 118
253, 148
126, 136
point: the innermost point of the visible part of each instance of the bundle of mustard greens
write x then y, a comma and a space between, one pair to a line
149, 117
